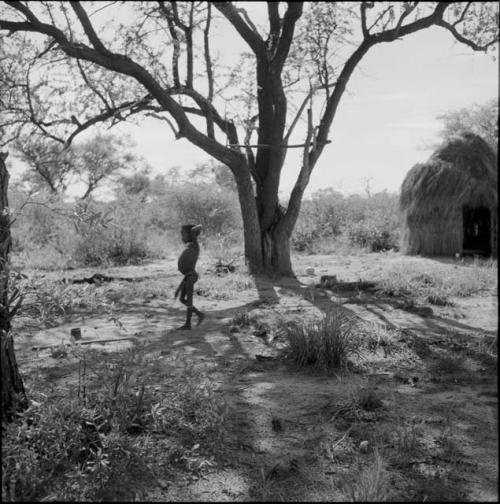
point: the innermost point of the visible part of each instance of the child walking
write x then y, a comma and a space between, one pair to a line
187, 265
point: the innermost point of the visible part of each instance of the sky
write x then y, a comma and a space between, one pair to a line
385, 123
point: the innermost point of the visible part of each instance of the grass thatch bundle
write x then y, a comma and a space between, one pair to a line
462, 173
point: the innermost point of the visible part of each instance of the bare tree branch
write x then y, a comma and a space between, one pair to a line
247, 19
364, 28
253, 39
464, 40
463, 14
124, 65
88, 28
175, 39
292, 15
408, 10
91, 86
379, 17
167, 120
134, 107
210, 75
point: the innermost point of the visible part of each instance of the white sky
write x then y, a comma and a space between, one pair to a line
384, 122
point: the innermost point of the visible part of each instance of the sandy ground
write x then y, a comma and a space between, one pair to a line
317, 447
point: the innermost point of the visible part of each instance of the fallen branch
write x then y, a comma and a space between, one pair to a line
87, 342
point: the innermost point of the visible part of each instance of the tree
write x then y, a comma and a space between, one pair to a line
155, 58
13, 393
479, 119
137, 184
91, 162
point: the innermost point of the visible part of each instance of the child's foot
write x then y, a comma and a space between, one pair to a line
184, 328
201, 318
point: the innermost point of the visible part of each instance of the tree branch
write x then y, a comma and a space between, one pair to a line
380, 16
134, 107
408, 10
167, 120
294, 203
253, 39
364, 28
292, 15
189, 45
88, 28
419, 24
93, 88
466, 8
464, 40
126, 66
177, 45
247, 19
274, 17
208, 66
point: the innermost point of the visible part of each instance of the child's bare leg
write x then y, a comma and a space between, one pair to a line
200, 315
188, 301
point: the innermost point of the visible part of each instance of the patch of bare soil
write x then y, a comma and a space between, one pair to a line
422, 395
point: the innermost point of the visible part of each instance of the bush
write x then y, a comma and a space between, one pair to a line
373, 235
216, 210
330, 218
324, 345
98, 440
114, 233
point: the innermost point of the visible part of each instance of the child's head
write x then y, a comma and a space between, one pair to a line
190, 232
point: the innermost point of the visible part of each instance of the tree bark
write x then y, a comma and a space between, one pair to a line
251, 224
13, 393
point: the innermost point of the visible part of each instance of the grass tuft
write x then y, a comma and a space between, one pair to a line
324, 345
369, 484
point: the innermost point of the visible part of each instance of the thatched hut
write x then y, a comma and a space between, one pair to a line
450, 203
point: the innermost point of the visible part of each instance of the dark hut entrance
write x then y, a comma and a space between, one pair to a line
477, 231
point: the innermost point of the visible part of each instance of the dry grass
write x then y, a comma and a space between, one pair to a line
324, 345
91, 440
444, 281
225, 286
370, 484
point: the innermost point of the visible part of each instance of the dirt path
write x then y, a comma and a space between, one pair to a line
296, 436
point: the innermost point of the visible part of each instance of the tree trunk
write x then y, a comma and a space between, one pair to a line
251, 225
277, 258
266, 251
13, 393
276, 248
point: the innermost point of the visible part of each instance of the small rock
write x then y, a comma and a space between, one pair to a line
234, 329
309, 271
363, 447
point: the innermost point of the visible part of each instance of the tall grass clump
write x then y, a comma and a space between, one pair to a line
370, 484
324, 345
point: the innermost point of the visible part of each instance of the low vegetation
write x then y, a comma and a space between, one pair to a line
323, 345
95, 439
142, 221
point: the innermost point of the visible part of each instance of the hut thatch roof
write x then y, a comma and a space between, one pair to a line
463, 171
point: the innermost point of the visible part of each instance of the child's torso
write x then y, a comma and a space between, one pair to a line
188, 258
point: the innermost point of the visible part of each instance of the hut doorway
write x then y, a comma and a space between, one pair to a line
477, 231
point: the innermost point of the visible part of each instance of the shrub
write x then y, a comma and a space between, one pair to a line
373, 235
324, 345
369, 222
93, 442
114, 234
215, 209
